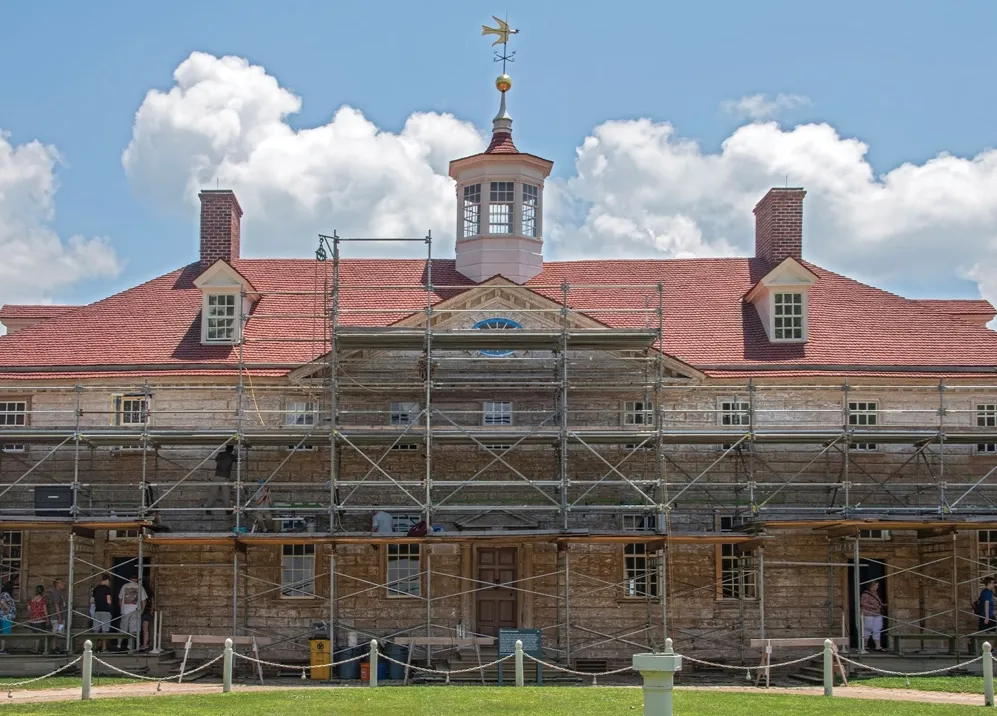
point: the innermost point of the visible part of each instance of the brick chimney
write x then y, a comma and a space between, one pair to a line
221, 221
779, 225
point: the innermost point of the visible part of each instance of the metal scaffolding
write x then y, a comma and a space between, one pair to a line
602, 422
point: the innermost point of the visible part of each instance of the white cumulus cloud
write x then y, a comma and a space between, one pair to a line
637, 188
761, 106
34, 262
224, 123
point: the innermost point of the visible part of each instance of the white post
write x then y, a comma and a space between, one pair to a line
519, 663
156, 625
88, 669
227, 667
828, 668
373, 662
988, 675
186, 653
658, 671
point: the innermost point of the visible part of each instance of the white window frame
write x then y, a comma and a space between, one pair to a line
637, 413
803, 316
12, 557
529, 210
402, 522
13, 413
986, 553
207, 318
398, 575
403, 413
123, 408
496, 412
734, 412
470, 217
874, 535
632, 574
501, 199
729, 558
861, 415
986, 417
297, 561
303, 414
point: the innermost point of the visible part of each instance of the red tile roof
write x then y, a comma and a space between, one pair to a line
853, 328
501, 144
25, 311
960, 306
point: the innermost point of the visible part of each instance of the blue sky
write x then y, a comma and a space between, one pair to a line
910, 79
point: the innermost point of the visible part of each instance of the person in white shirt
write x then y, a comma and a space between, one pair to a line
381, 523
132, 600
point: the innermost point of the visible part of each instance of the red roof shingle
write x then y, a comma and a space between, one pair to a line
852, 327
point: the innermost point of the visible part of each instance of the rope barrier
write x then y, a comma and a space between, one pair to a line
754, 668
445, 673
304, 669
906, 674
159, 680
577, 673
8, 687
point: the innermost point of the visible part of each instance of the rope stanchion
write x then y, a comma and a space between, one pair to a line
446, 673
10, 686
295, 667
750, 668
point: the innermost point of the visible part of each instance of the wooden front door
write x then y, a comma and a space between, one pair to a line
497, 604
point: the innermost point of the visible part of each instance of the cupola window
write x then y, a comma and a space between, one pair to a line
500, 202
472, 210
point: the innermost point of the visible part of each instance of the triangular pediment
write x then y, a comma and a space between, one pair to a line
221, 275
790, 273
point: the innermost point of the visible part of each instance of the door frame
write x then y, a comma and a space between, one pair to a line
473, 620
849, 601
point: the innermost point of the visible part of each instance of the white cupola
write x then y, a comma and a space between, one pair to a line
500, 205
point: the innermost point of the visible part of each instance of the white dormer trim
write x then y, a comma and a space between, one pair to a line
222, 280
789, 277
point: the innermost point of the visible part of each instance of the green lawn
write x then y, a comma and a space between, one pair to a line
950, 684
63, 682
478, 701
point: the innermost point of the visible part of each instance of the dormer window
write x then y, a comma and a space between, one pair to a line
781, 299
472, 210
788, 317
221, 318
531, 206
227, 296
500, 201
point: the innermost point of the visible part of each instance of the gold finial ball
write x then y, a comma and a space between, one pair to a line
503, 82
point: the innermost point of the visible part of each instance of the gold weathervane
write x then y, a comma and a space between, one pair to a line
502, 31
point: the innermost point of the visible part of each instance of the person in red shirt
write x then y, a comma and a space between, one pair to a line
38, 614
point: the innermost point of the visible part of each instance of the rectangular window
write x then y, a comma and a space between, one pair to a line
297, 571
404, 567
874, 535
300, 413
735, 412
403, 413
10, 557
640, 572
863, 414
221, 318
738, 574
404, 522
500, 201
131, 410
531, 204
472, 210
13, 414
986, 417
638, 412
788, 317
497, 413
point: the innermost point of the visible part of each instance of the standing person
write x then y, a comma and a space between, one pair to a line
58, 598
132, 598
221, 494
8, 612
38, 613
146, 623
872, 616
985, 606
102, 606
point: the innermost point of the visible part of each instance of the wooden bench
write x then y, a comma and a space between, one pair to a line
974, 642
189, 640
900, 639
768, 646
47, 637
447, 642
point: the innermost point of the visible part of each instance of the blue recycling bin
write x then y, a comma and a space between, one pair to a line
351, 670
396, 672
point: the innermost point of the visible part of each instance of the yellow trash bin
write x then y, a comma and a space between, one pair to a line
320, 652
